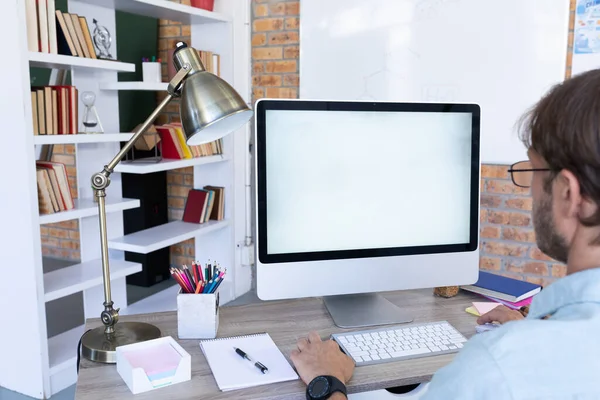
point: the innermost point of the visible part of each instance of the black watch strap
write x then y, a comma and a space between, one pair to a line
322, 387
337, 386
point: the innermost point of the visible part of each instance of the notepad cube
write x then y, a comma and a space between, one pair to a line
153, 364
197, 315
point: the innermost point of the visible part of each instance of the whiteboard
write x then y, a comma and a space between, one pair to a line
501, 54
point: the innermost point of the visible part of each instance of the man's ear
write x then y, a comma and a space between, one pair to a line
567, 195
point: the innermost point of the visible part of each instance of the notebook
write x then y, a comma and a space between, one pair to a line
233, 372
503, 288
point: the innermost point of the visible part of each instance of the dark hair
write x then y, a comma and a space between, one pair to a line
564, 129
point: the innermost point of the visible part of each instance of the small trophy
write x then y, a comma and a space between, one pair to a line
102, 40
91, 121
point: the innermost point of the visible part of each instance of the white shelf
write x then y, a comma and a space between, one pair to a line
162, 9
62, 350
82, 138
151, 86
159, 237
166, 165
78, 277
60, 61
88, 208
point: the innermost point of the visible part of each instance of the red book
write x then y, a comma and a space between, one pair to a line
168, 147
195, 206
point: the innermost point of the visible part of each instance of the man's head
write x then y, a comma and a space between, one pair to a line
562, 134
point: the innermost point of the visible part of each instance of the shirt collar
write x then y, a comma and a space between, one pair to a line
580, 287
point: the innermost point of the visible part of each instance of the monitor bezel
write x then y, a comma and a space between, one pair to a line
264, 105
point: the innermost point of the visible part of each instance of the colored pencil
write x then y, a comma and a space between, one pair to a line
214, 289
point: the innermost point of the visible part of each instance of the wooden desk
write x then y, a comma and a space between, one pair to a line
286, 321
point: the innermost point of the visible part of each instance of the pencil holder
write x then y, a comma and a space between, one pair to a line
151, 72
197, 315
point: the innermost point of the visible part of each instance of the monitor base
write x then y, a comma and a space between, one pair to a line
362, 310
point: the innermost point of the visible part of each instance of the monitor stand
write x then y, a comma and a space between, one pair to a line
361, 310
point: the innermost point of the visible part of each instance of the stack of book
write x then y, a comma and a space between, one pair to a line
54, 193
52, 31
55, 110
513, 293
205, 204
173, 144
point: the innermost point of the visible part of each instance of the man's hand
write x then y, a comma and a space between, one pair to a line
315, 358
501, 314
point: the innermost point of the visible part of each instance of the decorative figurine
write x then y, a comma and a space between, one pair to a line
91, 121
102, 40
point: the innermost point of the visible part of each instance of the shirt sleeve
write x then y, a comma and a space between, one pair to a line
472, 375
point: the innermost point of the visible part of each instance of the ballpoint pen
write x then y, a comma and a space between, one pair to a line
257, 364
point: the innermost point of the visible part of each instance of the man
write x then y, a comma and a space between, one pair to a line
554, 352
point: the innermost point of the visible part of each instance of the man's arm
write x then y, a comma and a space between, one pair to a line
315, 357
472, 375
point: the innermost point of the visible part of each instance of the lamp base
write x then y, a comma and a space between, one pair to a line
99, 347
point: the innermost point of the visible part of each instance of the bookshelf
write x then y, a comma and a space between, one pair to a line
87, 208
82, 138
161, 9
48, 365
166, 165
161, 236
151, 86
46, 60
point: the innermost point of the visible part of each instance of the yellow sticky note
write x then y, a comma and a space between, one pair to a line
472, 310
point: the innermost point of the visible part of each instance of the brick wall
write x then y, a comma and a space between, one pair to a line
61, 240
179, 181
275, 48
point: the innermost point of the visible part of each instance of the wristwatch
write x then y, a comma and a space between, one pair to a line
322, 387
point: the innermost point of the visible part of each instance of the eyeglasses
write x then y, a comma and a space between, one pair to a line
521, 173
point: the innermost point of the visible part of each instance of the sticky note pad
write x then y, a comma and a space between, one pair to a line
472, 310
158, 362
484, 307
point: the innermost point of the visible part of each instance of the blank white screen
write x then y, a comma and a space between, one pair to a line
340, 180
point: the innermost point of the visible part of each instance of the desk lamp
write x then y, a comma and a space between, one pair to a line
210, 109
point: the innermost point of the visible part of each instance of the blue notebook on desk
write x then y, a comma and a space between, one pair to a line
503, 288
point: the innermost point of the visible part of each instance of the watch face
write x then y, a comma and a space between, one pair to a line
319, 387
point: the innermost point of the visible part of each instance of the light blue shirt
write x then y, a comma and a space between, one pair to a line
555, 358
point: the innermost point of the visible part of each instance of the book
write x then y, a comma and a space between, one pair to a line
510, 304
234, 372
195, 206
502, 288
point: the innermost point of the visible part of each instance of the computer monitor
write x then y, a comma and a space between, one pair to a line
355, 198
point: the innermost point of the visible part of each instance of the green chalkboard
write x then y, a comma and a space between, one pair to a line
137, 38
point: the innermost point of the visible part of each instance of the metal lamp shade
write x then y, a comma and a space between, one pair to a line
210, 108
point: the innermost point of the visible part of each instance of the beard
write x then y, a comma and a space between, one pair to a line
547, 238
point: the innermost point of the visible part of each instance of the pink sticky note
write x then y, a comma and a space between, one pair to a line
154, 360
484, 307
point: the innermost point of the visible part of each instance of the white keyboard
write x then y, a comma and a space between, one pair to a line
400, 342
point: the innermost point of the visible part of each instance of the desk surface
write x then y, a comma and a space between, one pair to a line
286, 321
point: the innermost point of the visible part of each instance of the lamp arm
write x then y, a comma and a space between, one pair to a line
101, 180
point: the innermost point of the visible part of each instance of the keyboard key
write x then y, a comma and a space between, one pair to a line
412, 352
375, 357
384, 356
366, 358
357, 359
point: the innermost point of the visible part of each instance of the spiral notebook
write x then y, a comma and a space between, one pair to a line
233, 372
